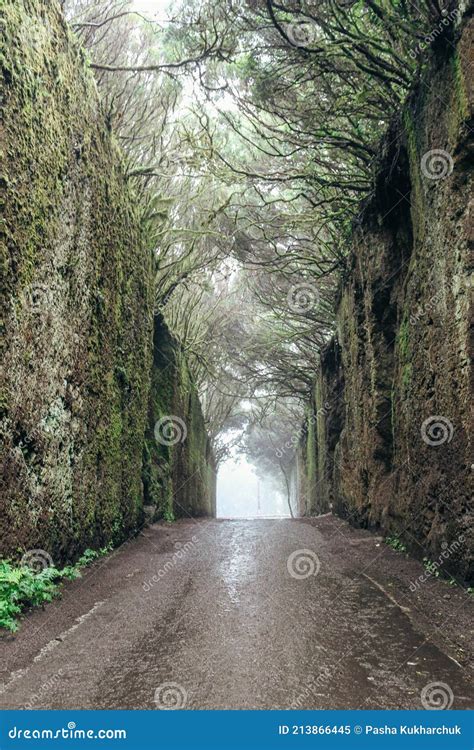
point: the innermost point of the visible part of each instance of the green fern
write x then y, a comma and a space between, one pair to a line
22, 586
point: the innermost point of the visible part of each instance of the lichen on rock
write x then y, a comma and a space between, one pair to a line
403, 332
76, 301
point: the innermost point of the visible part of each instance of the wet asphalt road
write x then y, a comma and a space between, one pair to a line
231, 614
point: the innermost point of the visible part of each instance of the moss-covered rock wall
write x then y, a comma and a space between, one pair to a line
179, 472
76, 301
306, 497
85, 372
393, 447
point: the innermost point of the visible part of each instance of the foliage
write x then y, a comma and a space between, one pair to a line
395, 543
252, 130
434, 569
22, 586
90, 555
169, 516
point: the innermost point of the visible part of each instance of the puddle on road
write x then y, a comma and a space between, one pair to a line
238, 568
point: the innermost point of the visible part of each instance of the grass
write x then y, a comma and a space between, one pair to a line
436, 571
21, 586
431, 568
395, 543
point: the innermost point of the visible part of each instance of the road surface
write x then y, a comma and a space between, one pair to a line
245, 614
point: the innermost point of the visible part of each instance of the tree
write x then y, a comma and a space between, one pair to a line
252, 130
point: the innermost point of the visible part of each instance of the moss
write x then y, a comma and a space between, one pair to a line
179, 479
403, 339
76, 300
406, 376
372, 442
460, 106
404, 353
417, 202
310, 463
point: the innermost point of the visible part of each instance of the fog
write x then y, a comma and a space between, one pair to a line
242, 494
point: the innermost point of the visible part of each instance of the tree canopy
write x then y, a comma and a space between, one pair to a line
252, 129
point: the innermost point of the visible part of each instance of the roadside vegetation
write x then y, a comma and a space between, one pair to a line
22, 587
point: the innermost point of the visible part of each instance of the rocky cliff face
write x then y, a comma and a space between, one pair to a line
393, 393
77, 305
77, 298
179, 473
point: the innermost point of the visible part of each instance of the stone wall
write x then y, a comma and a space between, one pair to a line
76, 302
393, 447
77, 318
179, 473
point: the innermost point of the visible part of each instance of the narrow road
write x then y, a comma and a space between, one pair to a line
244, 614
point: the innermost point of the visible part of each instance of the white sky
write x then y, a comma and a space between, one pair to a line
152, 8
241, 494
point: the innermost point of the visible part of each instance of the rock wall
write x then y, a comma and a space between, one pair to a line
76, 302
80, 382
393, 448
179, 472
305, 490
